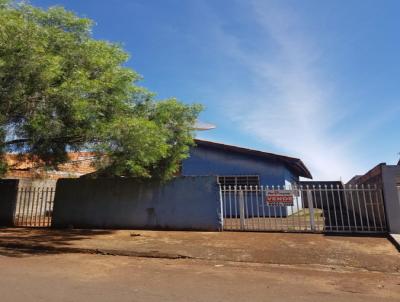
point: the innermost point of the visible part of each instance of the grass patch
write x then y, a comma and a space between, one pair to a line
305, 213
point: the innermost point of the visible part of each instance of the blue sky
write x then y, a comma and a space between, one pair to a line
318, 80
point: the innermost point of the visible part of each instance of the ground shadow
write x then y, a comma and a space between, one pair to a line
20, 242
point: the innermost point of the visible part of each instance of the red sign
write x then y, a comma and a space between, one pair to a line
279, 198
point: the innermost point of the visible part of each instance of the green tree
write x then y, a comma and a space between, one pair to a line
61, 90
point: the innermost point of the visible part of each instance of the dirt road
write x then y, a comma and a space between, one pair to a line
368, 253
76, 277
76, 265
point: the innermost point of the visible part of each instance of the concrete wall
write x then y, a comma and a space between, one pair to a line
8, 198
390, 180
184, 203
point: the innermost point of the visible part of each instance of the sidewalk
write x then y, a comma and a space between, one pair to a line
336, 252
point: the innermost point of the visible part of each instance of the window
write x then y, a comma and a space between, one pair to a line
242, 180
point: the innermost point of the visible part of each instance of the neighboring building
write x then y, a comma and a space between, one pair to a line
30, 173
387, 177
372, 177
241, 166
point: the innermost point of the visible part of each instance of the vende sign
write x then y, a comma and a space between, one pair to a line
279, 198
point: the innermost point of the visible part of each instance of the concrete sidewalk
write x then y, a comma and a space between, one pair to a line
335, 252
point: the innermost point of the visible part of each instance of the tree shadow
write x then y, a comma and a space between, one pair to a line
22, 242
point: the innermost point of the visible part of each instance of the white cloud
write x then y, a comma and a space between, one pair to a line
293, 107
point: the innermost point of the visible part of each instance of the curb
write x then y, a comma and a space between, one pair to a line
74, 250
395, 239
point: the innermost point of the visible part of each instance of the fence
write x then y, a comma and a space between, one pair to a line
34, 206
341, 208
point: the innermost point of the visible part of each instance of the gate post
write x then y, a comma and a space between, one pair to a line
241, 211
311, 209
221, 204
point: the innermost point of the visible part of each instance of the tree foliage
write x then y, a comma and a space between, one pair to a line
61, 90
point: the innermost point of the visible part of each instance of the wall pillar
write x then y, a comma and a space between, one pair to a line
8, 201
390, 179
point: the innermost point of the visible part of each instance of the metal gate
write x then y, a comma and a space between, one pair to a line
34, 206
341, 208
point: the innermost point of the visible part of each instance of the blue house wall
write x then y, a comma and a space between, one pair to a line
209, 161
205, 160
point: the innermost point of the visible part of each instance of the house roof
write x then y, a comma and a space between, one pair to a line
371, 174
295, 164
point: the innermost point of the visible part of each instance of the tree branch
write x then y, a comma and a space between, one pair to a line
66, 139
16, 141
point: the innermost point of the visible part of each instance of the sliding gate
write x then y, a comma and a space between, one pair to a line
34, 206
341, 208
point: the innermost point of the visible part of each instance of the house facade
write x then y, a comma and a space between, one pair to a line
241, 166
237, 166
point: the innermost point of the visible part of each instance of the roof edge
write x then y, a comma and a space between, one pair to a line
291, 162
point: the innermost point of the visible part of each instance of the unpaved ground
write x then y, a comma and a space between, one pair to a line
77, 277
54, 265
365, 253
